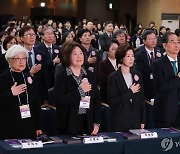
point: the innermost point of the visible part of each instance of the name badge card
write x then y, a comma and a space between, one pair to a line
85, 102
151, 76
25, 111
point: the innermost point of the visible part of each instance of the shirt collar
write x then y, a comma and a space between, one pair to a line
148, 51
48, 46
32, 51
171, 59
2, 50
69, 71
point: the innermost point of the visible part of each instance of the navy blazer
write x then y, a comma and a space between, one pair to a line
67, 99
167, 87
127, 110
40, 76
50, 66
144, 66
105, 69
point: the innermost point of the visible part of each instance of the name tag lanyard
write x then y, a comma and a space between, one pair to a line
27, 96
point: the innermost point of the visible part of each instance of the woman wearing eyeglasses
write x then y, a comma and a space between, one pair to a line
20, 104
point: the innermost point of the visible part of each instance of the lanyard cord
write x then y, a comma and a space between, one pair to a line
27, 96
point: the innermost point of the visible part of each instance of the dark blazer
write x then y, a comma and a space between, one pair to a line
105, 69
167, 87
3, 63
95, 65
67, 99
50, 66
12, 126
127, 110
104, 39
144, 66
0, 50
40, 76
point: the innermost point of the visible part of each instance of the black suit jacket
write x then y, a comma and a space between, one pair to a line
105, 69
40, 76
144, 66
127, 110
167, 87
104, 39
92, 67
3, 63
12, 126
50, 66
67, 99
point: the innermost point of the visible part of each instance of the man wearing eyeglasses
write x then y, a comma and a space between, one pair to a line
167, 84
36, 61
51, 52
144, 59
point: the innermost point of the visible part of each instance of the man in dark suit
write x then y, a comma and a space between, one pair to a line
35, 62
105, 37
92, 54
167, 84
67, 27
145, 58
51, 53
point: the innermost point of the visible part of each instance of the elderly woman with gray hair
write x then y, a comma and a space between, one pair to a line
120, 36
20, 112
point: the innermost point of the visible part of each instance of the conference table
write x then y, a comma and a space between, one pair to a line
166, 143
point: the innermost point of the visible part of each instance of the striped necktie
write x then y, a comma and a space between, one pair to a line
174, 67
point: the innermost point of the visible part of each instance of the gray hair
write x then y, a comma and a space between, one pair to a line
119, 31
46, 28
15, 50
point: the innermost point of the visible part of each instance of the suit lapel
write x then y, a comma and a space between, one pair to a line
178, 60
121, 80
109, 65
168, 65
146, 57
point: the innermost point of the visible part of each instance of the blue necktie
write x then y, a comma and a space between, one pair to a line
174, 67
30, 60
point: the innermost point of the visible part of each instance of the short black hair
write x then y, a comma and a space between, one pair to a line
121, 52
108, 22
25, 29
109, 43
66, 51
165, 37
146, 33
7, 40
80, 33
3, 33
177, 32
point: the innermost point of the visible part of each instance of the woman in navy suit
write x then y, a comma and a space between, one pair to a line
125, 93
76, 94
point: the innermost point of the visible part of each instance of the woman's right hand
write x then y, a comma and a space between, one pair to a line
16, 90
86, 86
135, 88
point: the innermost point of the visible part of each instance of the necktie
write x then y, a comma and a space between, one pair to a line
49, 50
152, 57
174, 67
30, 60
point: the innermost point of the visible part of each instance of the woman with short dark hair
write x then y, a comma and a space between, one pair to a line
76, 94
7, 43
125, 93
